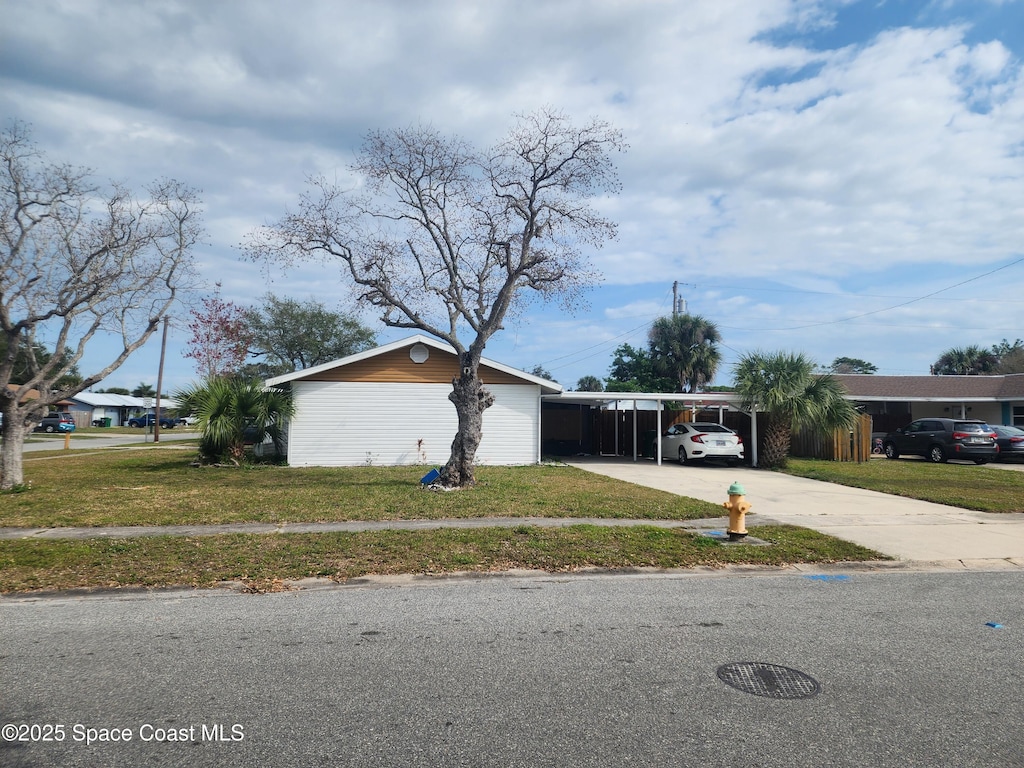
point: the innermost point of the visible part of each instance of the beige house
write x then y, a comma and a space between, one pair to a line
894, 401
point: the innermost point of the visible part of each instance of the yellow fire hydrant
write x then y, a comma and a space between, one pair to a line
738, 506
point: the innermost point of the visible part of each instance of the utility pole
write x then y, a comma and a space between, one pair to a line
160, 384
678, 303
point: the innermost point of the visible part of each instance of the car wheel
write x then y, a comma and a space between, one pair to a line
682, 455
936, 454
50, 428
981, 461
891, 452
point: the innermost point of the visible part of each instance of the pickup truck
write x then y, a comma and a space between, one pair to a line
149, 419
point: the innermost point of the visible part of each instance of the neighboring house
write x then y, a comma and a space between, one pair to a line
94, 407
894, 401
390, 405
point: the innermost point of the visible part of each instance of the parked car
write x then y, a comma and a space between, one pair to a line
939, 440
701, 440
1010, 441
188, 421
56, 422
149, 419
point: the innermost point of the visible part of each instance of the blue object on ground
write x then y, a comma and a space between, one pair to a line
828, 577
431, 476
993, 625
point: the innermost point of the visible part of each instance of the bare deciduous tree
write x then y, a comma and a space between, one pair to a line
75, 262
450, 241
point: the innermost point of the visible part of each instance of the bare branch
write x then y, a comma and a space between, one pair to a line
449, 240
74, 263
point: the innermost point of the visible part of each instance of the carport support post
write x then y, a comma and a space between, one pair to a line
617, 413
657, 436
753, 434
634, 430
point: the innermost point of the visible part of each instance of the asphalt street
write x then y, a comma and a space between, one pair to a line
44, 442
525, 670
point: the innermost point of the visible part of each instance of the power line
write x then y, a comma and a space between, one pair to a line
910, 300
894, 306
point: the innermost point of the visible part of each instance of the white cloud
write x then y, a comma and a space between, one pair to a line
635, 310
881, 166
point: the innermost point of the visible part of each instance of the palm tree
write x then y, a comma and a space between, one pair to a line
589, 384
232, 412
965, 361
785, 386
684, 347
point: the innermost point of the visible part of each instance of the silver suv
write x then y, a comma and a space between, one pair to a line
941, 439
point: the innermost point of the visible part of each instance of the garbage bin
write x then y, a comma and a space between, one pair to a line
106, 421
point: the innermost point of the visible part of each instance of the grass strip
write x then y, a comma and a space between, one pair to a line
263, 561
159, 487
958, 485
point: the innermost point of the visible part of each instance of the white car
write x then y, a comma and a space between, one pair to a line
701, 440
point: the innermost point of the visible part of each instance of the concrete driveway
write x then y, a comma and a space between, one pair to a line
906, 529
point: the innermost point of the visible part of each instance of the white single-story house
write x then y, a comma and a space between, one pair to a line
389, 405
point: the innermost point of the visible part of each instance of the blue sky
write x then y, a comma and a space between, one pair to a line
835, 178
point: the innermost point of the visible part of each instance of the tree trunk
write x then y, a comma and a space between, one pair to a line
14, 433
776, 444
471, 399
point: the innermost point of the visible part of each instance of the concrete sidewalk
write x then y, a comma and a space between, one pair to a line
135, 531
903, 528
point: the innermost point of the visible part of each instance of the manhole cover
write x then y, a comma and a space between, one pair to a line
768, 680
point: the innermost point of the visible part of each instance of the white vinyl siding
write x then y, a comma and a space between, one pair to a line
353, 423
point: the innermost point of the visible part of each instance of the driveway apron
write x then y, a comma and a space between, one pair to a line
906, 529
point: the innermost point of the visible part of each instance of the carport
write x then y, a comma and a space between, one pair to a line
699, 401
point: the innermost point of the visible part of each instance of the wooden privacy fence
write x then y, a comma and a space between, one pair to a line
842, 445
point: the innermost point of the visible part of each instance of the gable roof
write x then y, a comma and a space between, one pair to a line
872, 387
547, 387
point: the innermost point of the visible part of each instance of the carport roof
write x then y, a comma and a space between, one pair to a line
607, 398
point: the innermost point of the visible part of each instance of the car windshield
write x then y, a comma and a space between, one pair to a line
712, 428
1009, 431
971, 426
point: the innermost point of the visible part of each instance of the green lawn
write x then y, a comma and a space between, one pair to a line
959, 485
264, 562
157, 486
